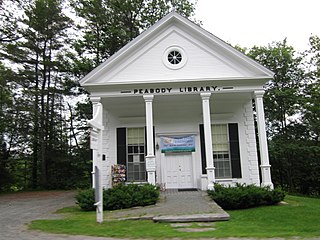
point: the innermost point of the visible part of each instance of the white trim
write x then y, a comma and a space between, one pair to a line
156, 81
176, 134
174, 66
173, 18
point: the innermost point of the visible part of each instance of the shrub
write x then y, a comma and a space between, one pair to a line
85, 199
245, 196
120, 196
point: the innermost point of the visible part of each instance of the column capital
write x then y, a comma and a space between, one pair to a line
205, 96
148, 98
95, 99
258, 93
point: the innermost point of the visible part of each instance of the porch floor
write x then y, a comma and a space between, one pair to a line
176, 206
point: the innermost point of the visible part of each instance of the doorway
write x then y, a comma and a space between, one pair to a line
178, 170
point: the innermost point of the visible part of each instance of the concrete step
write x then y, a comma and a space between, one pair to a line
208, 217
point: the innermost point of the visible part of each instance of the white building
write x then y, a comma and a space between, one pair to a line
175, 106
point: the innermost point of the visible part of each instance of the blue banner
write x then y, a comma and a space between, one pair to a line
177, 144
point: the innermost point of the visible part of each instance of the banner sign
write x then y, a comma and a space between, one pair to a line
177, 144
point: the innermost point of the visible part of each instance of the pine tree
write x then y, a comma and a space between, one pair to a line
43, 32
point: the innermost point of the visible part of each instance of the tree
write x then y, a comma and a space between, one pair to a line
284, 91
43, 32
109, 25
8, 20
6, 177
292, 112
311, 101
45, 138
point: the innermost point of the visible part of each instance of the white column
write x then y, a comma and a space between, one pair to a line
96, 123
150, 158
263, 144
208, 139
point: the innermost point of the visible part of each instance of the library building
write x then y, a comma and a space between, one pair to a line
176, 107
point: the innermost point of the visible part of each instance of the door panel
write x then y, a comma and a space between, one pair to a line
179, 170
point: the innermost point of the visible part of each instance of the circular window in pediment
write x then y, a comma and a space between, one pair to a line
174, 57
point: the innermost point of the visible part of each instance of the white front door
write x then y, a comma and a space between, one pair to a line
179, 170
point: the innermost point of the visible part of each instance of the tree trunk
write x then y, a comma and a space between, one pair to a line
35, 129
43, 124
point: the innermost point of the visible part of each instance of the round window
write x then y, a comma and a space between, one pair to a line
174, 57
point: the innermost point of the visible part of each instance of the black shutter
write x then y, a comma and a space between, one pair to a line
234, 150
121, 146
145, 141
203, 150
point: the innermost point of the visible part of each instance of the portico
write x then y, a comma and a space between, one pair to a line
180, 124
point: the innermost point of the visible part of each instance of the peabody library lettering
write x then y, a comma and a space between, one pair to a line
169, 90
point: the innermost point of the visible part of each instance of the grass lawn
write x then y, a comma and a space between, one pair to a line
301, 217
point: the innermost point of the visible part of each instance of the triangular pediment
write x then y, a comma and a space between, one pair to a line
202, 57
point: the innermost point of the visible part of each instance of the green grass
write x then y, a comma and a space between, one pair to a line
301, 218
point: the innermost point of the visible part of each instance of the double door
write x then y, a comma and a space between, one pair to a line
178, 170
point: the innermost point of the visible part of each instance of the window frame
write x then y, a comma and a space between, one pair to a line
218, 162
177, 65
134, 149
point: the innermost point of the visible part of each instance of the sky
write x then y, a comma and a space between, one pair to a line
260, 22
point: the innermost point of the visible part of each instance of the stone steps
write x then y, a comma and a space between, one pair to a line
208, 217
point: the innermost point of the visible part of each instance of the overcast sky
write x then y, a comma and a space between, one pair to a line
259, 22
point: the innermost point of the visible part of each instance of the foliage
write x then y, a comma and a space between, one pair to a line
293, 114
109, 25
119, 197
311, 102
245, 196
300, 218
295, 165
8, 20
44, 135
284, 91
6, 177
39, 134
85, 199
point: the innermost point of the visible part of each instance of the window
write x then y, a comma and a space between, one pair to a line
220, 146
174, 57
136, 167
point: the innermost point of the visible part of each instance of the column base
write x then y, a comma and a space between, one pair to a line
266, 176
211, 178
267, 184
151, 169
151, 175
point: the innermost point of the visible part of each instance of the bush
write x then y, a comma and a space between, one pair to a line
85, 199
120, 197
245, 196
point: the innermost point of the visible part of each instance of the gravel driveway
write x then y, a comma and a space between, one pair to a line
19, 209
